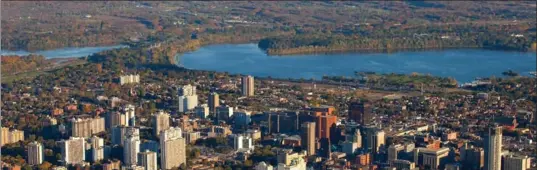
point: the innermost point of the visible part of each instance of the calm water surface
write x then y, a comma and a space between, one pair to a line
464, 64
64, 52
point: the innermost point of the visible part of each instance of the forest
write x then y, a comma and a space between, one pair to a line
36, 26
363, 39
16, 64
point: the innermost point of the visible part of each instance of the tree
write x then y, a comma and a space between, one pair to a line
45, 166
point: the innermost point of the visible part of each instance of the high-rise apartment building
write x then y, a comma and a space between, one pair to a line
148, 160
187, 90
129, 79
493, 148
11, 136
131, 146
172, 148
307, 135
115, 119
73, 150
97, 148
35, 153
213, 101
161, 121
247, 84
85, 127
241, 142
130, 115
188, 99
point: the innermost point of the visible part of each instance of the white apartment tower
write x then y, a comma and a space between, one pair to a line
188, 99
172, 148
97, 148
35, 153
130, 115
148, 160
131, 147
73, 150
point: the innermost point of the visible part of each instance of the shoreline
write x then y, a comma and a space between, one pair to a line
368, 51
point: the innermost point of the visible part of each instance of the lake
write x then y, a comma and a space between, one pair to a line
64, 52
462, 64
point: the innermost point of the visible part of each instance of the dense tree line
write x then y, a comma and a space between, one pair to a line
15, 64
313, 42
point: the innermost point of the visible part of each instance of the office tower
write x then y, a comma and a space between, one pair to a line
242, 119
130, 115
431, 158
247, 85
97, 148
289, 122
472, 158
324, 123
273, 122
325, 148
378, 140
360, 112
35, 153
307, 135
402, 164
202, 111
223, 113
514, 162
161, 121
172, 148
322, 110
393, 151
357, 138
188, 99
493, 148
214, 101
73, 150
131, 146
349, 147
148, 160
